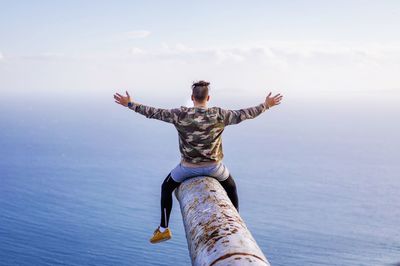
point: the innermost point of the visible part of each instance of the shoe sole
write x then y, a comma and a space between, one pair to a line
159, 241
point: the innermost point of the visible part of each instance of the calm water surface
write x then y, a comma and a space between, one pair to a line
80, 186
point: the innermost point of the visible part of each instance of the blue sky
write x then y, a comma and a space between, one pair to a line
324, 48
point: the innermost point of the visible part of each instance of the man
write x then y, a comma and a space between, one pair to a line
199, 129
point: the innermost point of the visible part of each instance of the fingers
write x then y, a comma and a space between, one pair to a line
118, 96
275, 96
122, 100
278, 99
275, 100
119, 100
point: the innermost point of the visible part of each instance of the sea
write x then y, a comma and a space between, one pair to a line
318, 181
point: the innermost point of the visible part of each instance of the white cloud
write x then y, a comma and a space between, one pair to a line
46, 56
136, 51
51, 55
136, 34
300, 67
279, 53
1, 56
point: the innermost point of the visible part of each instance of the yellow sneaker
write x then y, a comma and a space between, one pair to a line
160, 237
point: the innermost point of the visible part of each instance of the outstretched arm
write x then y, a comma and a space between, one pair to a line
166, 115
232, 117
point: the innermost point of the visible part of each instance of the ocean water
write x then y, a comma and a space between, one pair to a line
318, 184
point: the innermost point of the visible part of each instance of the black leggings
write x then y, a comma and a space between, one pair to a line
169, 185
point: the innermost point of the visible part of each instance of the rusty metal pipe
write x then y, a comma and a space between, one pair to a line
215, 232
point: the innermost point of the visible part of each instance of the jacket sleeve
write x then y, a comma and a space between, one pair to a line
166, 115
232, 117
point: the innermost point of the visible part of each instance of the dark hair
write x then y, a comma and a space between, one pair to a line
200, 90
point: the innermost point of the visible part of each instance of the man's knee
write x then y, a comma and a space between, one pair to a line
169, 184
229, 183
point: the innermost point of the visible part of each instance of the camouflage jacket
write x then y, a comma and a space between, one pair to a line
199, 128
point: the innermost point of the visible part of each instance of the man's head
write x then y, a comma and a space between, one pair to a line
200, 92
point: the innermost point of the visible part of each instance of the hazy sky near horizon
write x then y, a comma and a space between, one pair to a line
153, 48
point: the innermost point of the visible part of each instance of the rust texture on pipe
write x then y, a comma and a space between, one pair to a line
215, 232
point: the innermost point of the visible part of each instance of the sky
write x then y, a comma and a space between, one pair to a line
156, 49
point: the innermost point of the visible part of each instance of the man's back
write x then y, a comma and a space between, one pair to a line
200, 128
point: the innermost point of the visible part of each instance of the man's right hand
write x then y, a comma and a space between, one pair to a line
122, 100
271, 101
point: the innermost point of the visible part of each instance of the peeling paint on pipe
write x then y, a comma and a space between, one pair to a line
215, 232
